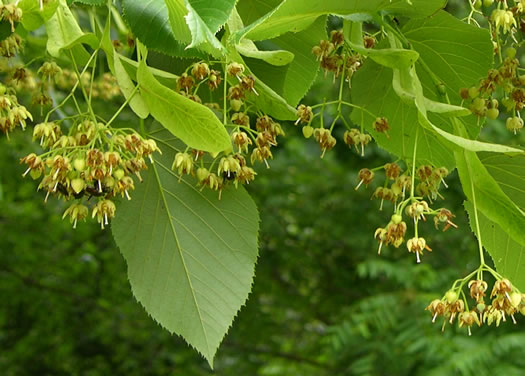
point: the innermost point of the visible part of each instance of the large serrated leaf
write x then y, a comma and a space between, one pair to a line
196, 125
177, 11
201, 34
296, 15
214, 13
149, 21
508, 255
509, 172
190, 256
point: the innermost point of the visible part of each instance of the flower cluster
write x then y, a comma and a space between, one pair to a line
335, 58
104, 87
91, 160
252, 136
396, 187
504, 88
12, 114
482, 99
506, 301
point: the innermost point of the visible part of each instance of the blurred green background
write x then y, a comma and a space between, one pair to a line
323, 302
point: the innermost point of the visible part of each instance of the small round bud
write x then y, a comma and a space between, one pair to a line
308, 131
79, 164
510, 52
396, 219
492, 113
78, 185
473, 92
451, 296
235, 104
118, 174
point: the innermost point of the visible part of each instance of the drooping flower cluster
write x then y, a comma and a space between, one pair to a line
104, 87
506, 302
12, 114
396, 188
91, 161
335, 58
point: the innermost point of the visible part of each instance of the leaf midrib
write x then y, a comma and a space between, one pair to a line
179, 249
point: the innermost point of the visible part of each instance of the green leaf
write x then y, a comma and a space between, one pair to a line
490, 198
509, 172
372, 89
34, 17
196, 125
177, 11
297, 15
190, 256
214, 13
91, 2
64, 32
302, 71
458, 55
508, 255
149, 21
201, 34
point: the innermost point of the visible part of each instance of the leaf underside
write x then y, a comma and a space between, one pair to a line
190, 256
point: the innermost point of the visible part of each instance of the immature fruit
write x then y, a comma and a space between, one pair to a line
78, 185
493, 113
235, 104
118, 174
477, 4
488, 3
396, 219
202, 174
515, 299
510, 52
451, 296
473, 92
79, 164
308, 131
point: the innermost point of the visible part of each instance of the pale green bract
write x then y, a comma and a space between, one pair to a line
506, 253
196, 125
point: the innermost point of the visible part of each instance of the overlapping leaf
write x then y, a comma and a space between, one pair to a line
190, 256
296, 15
149, 21
177, 11
450, 57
